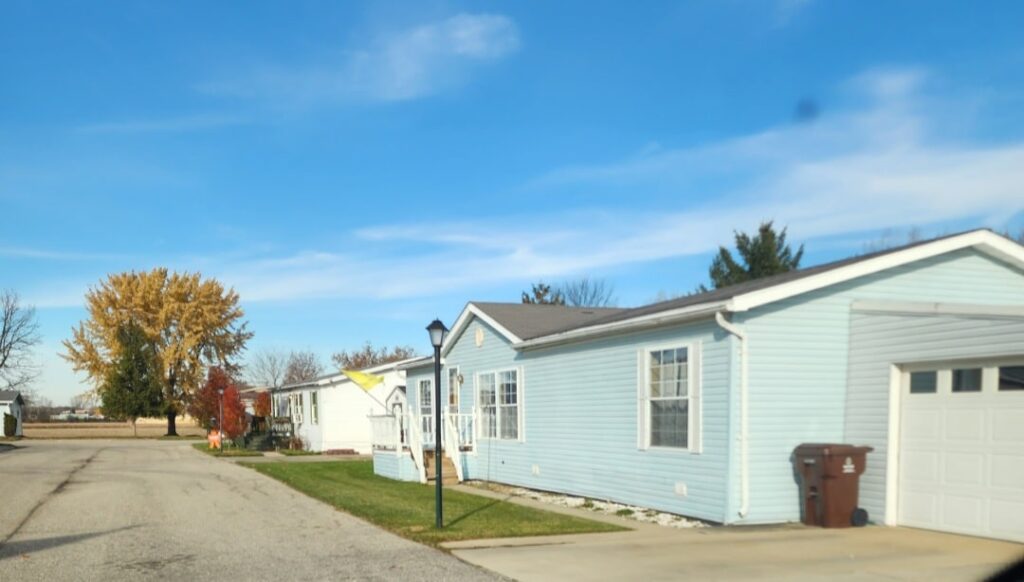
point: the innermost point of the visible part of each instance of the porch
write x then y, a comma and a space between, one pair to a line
405, 445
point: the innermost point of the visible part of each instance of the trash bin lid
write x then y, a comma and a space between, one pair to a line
829, 449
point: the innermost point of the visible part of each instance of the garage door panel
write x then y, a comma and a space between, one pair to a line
963, 469
1006, 517
964, 426
962, 512
1007, 427
1008, 470
919, 466
922, 425
919, 508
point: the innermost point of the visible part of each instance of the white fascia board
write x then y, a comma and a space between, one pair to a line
643, 322
916, 308
465, 317
985, 241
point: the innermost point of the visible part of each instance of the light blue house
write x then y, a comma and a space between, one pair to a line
694, 405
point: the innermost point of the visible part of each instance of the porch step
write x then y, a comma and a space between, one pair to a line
448, 475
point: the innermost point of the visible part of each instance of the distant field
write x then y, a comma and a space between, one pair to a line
95, 430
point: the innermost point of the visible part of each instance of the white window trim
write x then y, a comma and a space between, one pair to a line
520, 408
694, 385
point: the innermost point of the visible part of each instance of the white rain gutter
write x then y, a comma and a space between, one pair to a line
744, 415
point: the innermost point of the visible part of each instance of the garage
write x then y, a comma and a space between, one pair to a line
961, 448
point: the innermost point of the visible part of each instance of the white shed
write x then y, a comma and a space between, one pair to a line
12, 403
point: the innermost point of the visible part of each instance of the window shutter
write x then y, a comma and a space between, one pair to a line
696, 383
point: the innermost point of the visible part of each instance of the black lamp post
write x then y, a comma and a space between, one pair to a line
220, 426
437, 332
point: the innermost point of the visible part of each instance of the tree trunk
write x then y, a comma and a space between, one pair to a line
135, 428
172, 415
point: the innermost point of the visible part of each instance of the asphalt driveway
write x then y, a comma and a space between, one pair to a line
790, 552
159, 510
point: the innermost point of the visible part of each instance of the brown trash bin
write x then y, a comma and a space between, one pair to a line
830, 479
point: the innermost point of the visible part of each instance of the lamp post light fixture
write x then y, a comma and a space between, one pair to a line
437, 332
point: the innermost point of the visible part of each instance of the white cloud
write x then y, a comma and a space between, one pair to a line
881, 165
400, 66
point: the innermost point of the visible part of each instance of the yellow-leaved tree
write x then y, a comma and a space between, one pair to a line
192, 323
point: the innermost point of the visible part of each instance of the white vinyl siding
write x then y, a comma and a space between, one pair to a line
500, 404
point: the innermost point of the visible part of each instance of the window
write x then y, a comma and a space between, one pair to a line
667, 395
426, 396
295, 407
923, 382
314, 410
1011, 378
453, 390
488, 409
500, 401
967, 380
508, 404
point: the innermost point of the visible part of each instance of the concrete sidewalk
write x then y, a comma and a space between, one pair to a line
785, 552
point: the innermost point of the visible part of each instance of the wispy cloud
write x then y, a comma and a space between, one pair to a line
51, 255
787, 10
398, 66
880, 165
177, 124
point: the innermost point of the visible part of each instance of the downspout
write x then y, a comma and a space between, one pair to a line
744, 420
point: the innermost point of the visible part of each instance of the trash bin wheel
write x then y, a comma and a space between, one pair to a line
859, 517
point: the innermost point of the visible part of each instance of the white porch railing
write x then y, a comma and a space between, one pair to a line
395, 433
415, 436
386, 431
451, 443
465, 430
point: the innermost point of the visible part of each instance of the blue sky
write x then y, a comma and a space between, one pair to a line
356, 169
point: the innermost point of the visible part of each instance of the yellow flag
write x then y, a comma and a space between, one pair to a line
365, 381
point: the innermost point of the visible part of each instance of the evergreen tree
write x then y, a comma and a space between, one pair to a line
133, 387
762, 255
542, 294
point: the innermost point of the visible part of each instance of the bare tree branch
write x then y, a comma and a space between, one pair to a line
268, 367
302, 367
19, 333
587, 292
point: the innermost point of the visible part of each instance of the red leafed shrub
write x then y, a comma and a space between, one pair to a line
234, 413
205, 405
262, 405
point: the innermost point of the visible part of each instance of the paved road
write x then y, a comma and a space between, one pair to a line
131, 510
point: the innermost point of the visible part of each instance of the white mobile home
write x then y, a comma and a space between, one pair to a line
332, 413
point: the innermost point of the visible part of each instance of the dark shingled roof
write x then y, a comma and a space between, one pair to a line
9, 395
528, 321
532, 321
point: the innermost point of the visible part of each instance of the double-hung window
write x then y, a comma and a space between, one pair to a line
669, 392
453, 390
295, 407
499, 398
314, 408
425, 392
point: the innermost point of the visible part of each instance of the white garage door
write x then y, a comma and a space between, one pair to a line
961, 461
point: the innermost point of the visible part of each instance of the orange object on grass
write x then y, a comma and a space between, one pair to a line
214, 438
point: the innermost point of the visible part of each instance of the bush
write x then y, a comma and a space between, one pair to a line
10, 425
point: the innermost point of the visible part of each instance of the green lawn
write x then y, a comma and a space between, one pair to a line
230, 452
408, 508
